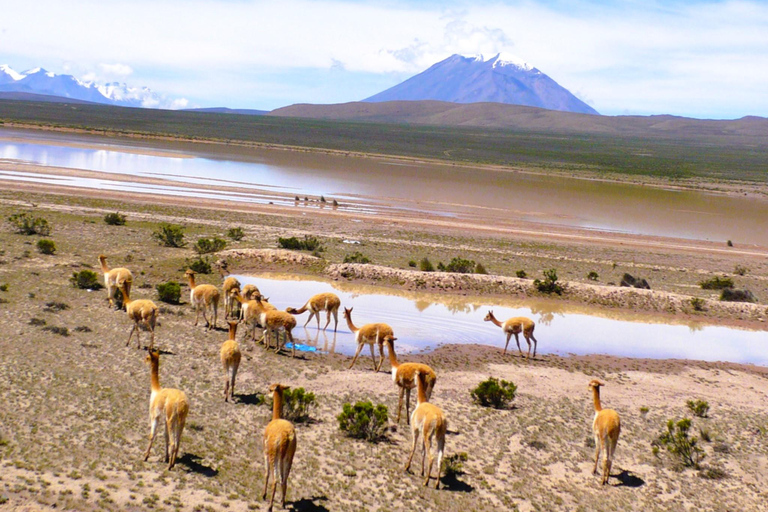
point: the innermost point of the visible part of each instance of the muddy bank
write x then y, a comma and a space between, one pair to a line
636, 299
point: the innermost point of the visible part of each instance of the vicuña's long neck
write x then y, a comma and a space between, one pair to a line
154, 375
302, 308
422, 393
596, 399
496, 322
104, 267
277, 404
191, 279
232, 330
392, 356
350, 324
126, 300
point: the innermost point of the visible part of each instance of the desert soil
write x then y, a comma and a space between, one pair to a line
73, 414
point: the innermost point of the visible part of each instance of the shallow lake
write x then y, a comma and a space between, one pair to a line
466, 193
423, 322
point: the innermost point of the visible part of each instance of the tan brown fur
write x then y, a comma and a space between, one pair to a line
251, 311
114, 279
329, 302
274, 322
230, 359
404, 376
228, 288
142, 311
606, 428
371, 334
279, 447
168, 402
515, 326
430, 421
203, 297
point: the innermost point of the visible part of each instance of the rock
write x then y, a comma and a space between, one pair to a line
629, 280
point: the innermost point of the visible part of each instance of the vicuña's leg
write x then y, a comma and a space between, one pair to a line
268, 469
154, 422
440, 451
373, 356
357, 353
597, 453
327, 322
509, 335
400, 405
535, 344
335, 320
517, 339
428, 448
415, 435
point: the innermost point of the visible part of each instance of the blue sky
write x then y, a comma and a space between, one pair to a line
704, 59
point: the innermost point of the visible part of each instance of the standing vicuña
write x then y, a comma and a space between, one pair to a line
430, 421
404, 375
321, 302
228, 290
371, 334
114, 279
606, 426
203, 296
230, 359
169, 404
279, 446
515, 326
142, 311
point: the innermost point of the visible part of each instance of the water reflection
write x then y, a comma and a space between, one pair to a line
424, 321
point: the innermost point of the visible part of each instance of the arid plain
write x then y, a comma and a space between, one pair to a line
74, 408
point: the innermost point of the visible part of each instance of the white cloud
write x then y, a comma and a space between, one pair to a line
116, 70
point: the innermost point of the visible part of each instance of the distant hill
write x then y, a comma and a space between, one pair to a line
42, 82
495, 115
26, 96
500, 79
225, 110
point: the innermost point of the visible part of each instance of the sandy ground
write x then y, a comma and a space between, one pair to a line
73, 408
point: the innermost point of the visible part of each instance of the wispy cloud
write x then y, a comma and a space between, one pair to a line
703, 58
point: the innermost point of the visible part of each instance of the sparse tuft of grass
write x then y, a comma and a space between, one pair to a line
236, 233
716, 283
115, 219
26, 224
356, 257
699, 408
170, 235
310, 243
549, 284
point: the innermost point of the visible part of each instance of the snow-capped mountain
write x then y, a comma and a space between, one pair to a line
40, 81
500, 79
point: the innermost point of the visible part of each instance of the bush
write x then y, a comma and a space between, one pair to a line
454, 464
86, 280
460, 265
356, 257
297, 404
115, 219
169, 292
200, 265
739, 270
426, 266
697, 304
46, 246
4, 287
592, 276
412, 263
699, 408
170, 235
209, 245
26, 224
679, 443
363, 421
480, 269
717, 283
494, 393
521, 274
549, 285
310, 243
61, 331
734, 295
236, 234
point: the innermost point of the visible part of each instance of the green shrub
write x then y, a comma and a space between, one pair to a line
26, 224
699, 408
734, 295
454, 464
310, 243
115, 219
200, 265
4, 287
677, 442
717, 283
426, 266
170, 235
46, 246
494, 393
412, 263
364, 421
460, 265
297, 404
356, 257
549, 284
592, 276
521, 274
697, 304
209, 245
86, 280
480, 269
169, 292
236, 234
